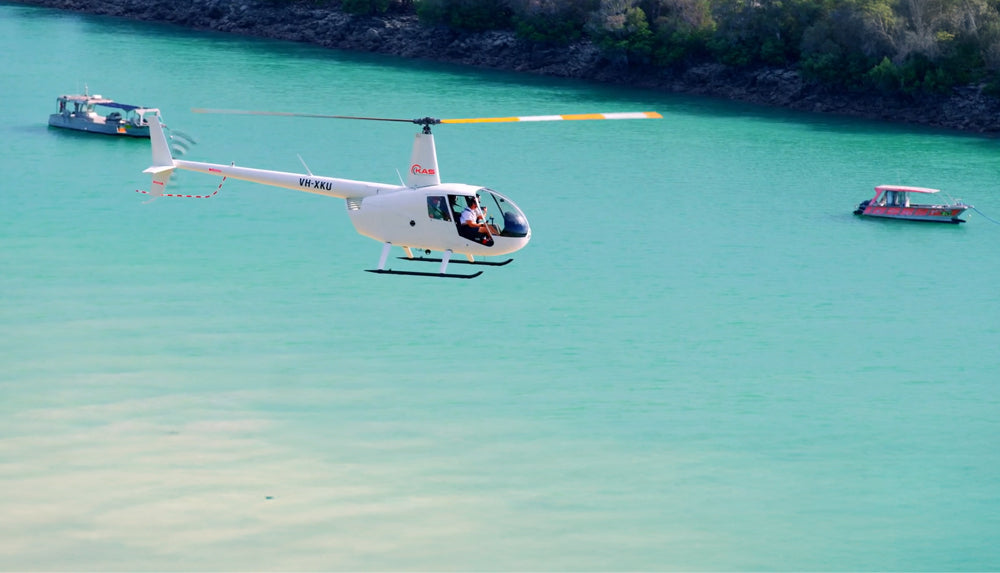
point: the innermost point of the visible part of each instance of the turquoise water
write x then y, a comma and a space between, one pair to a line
702, 361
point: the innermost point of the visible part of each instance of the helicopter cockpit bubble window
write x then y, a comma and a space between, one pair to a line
437, 208
503, 214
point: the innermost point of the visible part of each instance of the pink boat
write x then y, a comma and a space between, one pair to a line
893, 202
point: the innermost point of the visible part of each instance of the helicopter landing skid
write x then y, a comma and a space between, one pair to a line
446, 258
459, 261
421, 274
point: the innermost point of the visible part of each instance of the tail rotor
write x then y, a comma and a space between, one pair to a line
180, 142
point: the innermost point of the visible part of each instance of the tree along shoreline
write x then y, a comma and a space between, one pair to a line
967, 108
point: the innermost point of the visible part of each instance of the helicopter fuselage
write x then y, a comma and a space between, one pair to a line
422, 214
397, 214
406, 218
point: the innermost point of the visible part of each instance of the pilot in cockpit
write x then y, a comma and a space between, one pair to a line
473, 221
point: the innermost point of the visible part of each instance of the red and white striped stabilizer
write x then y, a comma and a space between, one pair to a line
217, 189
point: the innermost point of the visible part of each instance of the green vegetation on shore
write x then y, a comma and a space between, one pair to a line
895, 47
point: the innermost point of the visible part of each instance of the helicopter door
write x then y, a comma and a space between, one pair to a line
458, 205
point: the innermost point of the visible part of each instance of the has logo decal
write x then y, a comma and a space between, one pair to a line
416, 169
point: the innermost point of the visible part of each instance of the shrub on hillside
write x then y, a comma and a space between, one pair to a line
470, 15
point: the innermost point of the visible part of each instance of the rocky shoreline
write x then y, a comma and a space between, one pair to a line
966, 109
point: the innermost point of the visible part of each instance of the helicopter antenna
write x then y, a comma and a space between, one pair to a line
400, 176
304, 164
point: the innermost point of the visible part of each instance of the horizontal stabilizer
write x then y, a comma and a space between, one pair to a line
160, 184
161, 177
158, 169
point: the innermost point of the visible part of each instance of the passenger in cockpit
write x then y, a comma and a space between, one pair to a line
437, 208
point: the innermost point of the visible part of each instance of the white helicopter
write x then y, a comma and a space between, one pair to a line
422, 214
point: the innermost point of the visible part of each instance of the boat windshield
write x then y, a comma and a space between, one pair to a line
892, 198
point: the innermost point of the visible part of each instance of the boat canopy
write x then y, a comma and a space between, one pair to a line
92, 100
905, 188
123, 106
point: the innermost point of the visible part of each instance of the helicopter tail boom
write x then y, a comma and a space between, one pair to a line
317, 185
164, 165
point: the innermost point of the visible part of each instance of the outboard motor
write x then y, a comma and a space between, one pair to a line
862, 206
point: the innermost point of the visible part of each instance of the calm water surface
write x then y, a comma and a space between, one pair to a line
702, 361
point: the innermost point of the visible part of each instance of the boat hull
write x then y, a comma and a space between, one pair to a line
107, 128
929, 213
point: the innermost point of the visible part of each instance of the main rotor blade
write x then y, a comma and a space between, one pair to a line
289, 114
566, 117
433, 121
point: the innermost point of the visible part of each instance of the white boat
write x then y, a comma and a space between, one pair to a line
96, 114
